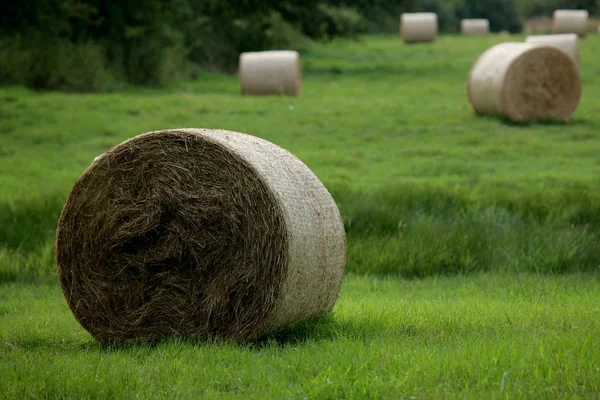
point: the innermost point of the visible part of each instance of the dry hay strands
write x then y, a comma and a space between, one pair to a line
524, 83
568, 43
201, 234
418, 27
270, 73
475, 27
570, 21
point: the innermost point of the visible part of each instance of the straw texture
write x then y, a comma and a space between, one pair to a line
524, 83
198, 233
475, 27
270, 73
570, 21
568, 43
418, 27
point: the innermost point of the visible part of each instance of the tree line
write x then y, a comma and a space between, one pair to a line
97, 44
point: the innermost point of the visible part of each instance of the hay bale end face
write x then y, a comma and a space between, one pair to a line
570, 21
524, 83
475, 27
568, 43
198, 233
418, 27
270, 73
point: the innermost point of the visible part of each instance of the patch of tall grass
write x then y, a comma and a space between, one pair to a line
410, 231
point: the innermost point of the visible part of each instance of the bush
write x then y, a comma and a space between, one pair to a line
14, 61
536, 8
218, 46
53, 64
59, 64
502, 14
384, 15
63, 65
340, 22
150, 64
280, 34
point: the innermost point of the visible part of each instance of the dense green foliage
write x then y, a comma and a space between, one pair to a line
95, 45
383, 14
473, 243
151, 42
535, 8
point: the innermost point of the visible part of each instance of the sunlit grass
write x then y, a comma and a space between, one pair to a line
474, 245
488, 335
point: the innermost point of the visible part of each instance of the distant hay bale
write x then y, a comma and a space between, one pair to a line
271, 72
198, 233
475, 26
525, 83
568, 43
570, 21
418, 27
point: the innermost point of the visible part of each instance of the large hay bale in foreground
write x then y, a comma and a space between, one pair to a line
568, 43
271, 72
570, 21
524, 83
418, 27
198, 233
477, 26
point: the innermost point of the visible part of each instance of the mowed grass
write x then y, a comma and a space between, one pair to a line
473, 243
484, 336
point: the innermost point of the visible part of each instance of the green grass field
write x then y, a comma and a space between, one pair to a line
473, 244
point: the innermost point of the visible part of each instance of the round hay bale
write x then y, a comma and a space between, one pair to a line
568, 43
524, 83
271, 72
475, 27
570, 21
418, 27
198, 233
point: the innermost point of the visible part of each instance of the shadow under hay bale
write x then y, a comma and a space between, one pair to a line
198, 233
270, 73
524, 82
418, 27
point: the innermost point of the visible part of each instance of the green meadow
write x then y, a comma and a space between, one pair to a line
473, 243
